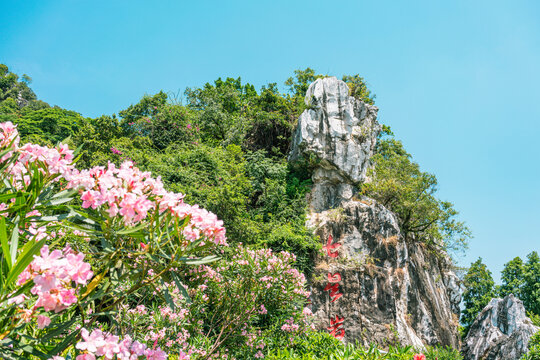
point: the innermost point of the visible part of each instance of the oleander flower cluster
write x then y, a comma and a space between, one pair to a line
54, 161
264, 288
163, 325
57, 277
101, 345
131, 194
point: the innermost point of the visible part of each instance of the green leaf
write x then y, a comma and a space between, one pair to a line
29, 249
14, 243
200, 261
4, 197
131, 230
167, 296
58, 217
53, 332
31, 350
4, 241
180, 287
64, 344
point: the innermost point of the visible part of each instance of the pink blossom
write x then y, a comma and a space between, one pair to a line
43, 321
85, 357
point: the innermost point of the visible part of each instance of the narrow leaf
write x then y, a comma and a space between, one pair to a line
4, 240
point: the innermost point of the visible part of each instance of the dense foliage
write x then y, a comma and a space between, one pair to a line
225, 149
479, 290
534, 348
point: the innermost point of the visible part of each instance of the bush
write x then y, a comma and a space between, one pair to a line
534, 348
137, 234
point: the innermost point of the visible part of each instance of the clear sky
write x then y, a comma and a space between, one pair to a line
456, 80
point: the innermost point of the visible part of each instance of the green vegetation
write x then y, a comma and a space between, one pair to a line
522, 279
226, 150
399, 184
312, 346
534, 348
479, 290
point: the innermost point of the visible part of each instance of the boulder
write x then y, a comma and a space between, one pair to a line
500, 332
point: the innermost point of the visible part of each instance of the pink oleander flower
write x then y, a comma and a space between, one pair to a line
419, 357
157, 354
56, 276
307, 312
98, 343
85, 357
134, 194
43, 321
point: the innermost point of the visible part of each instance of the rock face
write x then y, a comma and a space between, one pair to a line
340, 132
500, 332
392, 290
370, 285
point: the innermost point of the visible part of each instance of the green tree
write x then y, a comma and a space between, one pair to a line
512, 277
531, 284
222, 110
50, 125
358, 88
299, 84
398, 183
147, 107
17, 89
479, 290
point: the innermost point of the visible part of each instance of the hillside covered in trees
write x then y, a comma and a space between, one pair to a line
226, 149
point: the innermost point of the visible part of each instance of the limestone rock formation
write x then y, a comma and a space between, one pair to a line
370, 285
500, 332
392, 290
340, 132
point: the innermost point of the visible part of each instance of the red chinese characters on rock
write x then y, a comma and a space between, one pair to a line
334, 278
336, 324
336, 327
331, 249
334, 286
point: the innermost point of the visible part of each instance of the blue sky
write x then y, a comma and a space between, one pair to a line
456, 80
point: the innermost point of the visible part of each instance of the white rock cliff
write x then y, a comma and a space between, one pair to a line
370, 285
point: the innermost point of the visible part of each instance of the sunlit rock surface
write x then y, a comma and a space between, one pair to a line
340, 132
369, 285
500, 332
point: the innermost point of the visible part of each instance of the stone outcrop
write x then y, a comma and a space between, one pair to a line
340, 132
370, 285
393, 291
500, 332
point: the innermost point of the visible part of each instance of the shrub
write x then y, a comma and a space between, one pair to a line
136, 230
534, 348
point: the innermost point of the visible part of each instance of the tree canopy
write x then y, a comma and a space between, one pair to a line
226, 148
